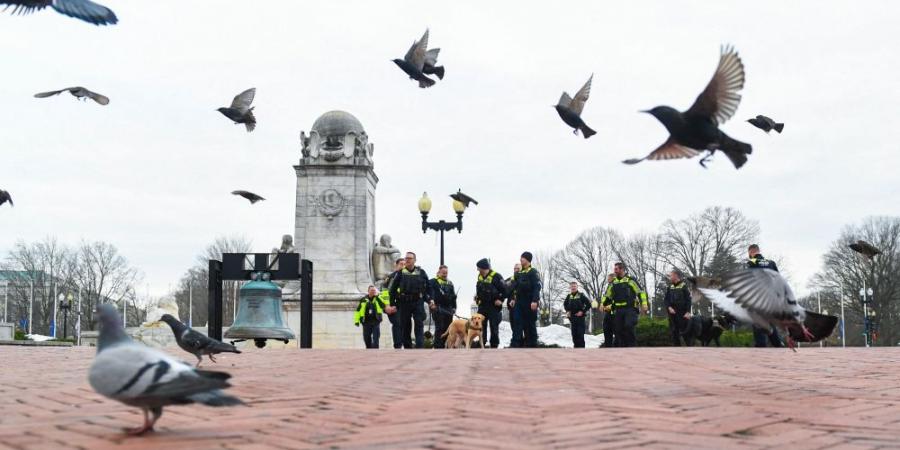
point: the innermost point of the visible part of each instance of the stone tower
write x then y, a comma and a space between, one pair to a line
335, 222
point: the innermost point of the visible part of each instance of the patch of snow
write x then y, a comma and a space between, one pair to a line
39, 337
549, 335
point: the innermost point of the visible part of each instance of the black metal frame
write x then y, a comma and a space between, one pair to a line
289, 267
441, 226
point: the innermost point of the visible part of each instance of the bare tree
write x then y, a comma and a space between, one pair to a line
102, 276
692, 243
547, 263
193, 286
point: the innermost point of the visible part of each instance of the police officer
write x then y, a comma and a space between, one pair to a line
626, 295
527, 288
512, 297
576, 306
408, 292
442, 304
391, 309
608, 318
368, 313
678, 307
489, 294
761, 335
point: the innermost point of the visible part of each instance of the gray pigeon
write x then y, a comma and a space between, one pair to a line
5, 197
85, 10
862, 247
240, 110
142, 377
79, 92
196, 343
766, 124
414, 62
463, 198
569, 109
248, 195
763, 298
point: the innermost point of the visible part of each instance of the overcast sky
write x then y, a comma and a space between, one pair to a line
151, 172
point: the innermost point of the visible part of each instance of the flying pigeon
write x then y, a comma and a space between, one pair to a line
195, 343
140, 376
862, 247
763, 298
85, 10
414, 62
248, 195
463, 198
569, 109
79, 92
5, 197
430, 66
766, 124
240, 110
697, 129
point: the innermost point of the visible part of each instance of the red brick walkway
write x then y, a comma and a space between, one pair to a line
599, 398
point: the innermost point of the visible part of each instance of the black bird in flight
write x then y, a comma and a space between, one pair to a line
697, 129
766, 124
414, 62
430, 67
5, 197
195, 343
85, 10
240, 110
248, 195
463, 198
569, 109
79, 93
862, 247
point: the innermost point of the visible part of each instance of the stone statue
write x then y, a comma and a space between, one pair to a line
383, 256
165, 305
287, 246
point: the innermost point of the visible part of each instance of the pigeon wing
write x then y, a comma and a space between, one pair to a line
85, 10
720, 99
431, 56
243, 100
728, 304
668, 150
577, 104
564, 100
416, 53
50, 93
194, 340
763, 292
130, 371
101, 99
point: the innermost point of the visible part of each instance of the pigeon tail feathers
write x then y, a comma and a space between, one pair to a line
778, 127
439, 71
587, 132
735, 150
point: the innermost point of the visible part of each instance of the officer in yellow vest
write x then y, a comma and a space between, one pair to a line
368, 313
626, 296
489, 294
409, 292
442, 304
577, 307
608, 317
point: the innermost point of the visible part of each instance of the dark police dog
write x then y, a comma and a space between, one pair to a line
706, 329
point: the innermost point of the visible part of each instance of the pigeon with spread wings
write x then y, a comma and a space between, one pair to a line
463, 198
78, 92
764, 298
85, 10
240, 110
5, 197
864, 248
766, 124
569, 109
248, 195
415, 60
697, 129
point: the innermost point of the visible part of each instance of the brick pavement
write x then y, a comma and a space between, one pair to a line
547, 398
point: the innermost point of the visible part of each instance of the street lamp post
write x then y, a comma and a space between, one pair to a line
65, 305
6, 300
865, 293
442, 225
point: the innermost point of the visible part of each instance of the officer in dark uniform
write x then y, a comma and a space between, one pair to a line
577, 307
761, 335
678, 307
408, 291
512, 297
368, 313
626, 295
527, 288
608, 318
489, 294
391, 309
442, 304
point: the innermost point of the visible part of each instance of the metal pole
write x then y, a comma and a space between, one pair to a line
306, 303
819, 298
843, 329
31, 304
865, 313
6, 301
191, 304
78, 321
234, 292
124, 312
55, 302
442, 246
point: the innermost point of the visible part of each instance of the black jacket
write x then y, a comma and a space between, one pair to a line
443, 294
409, 286
760, 262
488, 289
678, 297
576, 302
527, 286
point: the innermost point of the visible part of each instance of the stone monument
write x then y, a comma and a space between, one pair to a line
383, 256
335, 223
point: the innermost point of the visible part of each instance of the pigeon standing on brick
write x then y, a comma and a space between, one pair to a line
697, 129
79, 92
414, 62
569, 109
862, 247
5, 197
85, 10
248, 195
140, 376
463, 198
196, 343
766, 124
240, 110
764, 298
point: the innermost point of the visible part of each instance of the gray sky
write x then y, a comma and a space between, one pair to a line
151, 172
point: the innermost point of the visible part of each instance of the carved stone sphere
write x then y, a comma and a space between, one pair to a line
337, 123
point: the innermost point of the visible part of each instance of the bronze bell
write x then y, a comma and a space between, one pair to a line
259, 313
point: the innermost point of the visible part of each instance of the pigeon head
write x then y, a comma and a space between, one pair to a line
111, 330
664, 114
174, 323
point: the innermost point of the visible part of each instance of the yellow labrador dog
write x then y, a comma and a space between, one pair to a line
462, 330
